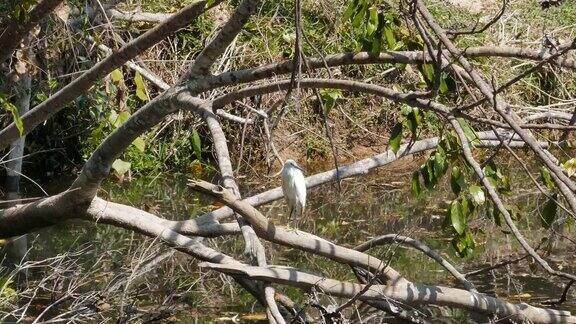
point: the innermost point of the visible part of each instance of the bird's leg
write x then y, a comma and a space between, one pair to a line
292, 216
295, 219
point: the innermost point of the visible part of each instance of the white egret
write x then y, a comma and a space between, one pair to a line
294, 188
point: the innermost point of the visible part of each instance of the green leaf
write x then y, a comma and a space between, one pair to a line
116, 119
116, 76
443, 87
372, 24
415, 184
396, 137
477, 195
469, 131
350, 10
459, 244
413, 120
8, 106
6, 292
464, 210
496, 178
141, 91
427, 171
440, 164
359, 18
549, 211
496, 216
428, 72
140, 144
376, 46
196, 144
456, 180
390, 39
329, 98
470, 243
547, 178
570, 166
121, 167
464, 244
456, 217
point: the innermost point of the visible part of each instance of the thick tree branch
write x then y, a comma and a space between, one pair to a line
137, 16
253, 247
360, 58
298, 240
405, 292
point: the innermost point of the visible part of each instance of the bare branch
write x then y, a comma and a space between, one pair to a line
360, 58
136, 16
403, 240
405, 292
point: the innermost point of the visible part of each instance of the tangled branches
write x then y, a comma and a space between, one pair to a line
480, 103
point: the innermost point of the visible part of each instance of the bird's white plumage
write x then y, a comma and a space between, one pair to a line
294, 188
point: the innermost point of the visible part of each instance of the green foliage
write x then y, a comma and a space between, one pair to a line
197, 144
141, 91
549, 211
316, 146
378, 26
547, 178
477, 195
396, 137
469, 132
18, 10
446, 82
494, 174
121, 168
464, 244
415, 184
460, 211
117, 76
470, 197
445, 155
8, 106
412, 119
6, 292
329, 98
457, 181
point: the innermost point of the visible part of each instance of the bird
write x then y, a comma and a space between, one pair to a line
294, 188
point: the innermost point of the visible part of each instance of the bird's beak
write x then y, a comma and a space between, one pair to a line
300, 168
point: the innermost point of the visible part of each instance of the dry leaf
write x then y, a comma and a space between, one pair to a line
62, 11
20, 67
